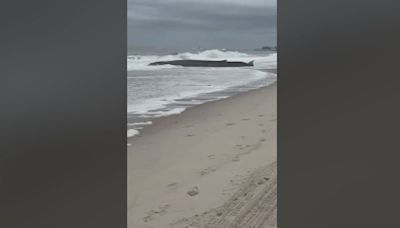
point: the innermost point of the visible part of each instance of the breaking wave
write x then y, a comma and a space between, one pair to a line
141, 62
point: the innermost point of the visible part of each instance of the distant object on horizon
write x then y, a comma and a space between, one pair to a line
267, 48
203, 63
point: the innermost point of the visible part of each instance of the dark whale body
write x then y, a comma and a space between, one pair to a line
203, 63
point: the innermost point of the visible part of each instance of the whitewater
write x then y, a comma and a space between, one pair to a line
156, 91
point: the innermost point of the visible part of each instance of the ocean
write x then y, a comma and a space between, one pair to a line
156, 91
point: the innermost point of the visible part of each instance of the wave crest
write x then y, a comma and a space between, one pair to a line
141, 62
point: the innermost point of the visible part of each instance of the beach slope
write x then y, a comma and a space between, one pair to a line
213, 165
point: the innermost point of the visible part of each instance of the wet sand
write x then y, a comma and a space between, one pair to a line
213, 165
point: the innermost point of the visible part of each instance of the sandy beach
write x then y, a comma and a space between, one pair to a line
214, 165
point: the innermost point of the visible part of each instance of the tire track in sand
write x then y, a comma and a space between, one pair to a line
253, 205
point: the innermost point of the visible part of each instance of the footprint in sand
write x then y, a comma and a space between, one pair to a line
260, 115
174, 184
262, 139
238, 146
160, 211
148, 218
236, 159
230, 124
189, 135
245, 119
211, 156
260, 182
207, 171
163, 210
261, 124
193, 191
263, 131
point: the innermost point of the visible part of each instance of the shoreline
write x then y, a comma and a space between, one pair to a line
180, 105
184, 169
154, 120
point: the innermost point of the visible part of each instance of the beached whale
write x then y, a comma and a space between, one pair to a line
203, 63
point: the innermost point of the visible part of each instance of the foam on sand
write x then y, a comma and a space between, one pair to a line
192, 84
132, 132
140, 123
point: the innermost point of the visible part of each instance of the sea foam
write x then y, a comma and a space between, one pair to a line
132, 132
141, 62
156, 91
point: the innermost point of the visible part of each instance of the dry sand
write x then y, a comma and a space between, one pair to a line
213, 165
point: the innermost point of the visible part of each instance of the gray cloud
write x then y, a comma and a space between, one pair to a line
207, 23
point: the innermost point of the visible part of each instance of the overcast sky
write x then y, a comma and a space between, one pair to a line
201, 23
